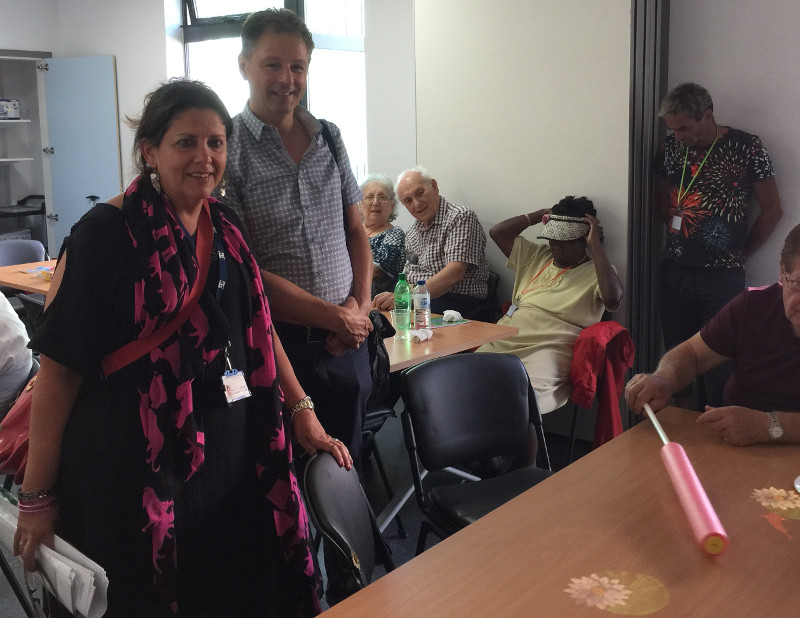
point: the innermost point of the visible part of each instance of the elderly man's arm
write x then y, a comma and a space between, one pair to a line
742, 426
444, 281
769, 201
504, 233
677, 369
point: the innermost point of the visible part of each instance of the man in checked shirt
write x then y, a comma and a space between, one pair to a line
446, 246
300, 209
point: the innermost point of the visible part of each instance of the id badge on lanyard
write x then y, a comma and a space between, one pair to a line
234, 384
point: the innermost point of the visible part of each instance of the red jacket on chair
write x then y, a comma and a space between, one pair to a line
601, 355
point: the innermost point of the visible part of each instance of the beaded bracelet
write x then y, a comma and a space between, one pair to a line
35, 495
528, 217
303, 404
37, 506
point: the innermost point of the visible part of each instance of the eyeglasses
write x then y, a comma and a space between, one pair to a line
382, 199
792, 284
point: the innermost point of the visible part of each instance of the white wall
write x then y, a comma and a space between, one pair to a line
520, 104
744, 52
31, 25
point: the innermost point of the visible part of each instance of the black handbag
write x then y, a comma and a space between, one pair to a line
378, 355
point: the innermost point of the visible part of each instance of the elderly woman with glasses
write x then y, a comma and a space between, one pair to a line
378, 210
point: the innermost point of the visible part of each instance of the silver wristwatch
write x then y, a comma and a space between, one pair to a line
775, 427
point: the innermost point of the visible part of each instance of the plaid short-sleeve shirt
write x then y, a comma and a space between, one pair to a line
455, 235
294, 214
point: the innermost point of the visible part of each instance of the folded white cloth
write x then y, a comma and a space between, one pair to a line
420, 335
451, 316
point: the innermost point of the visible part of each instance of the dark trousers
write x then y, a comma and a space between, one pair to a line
465, 305
688, 298
339, 386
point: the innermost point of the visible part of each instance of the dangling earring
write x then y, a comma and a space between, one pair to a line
223, 186
155, 179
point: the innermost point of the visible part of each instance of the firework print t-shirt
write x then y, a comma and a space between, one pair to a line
713, 211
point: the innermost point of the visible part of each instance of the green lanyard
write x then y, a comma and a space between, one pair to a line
681, 192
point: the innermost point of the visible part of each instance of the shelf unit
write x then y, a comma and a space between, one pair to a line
24, 167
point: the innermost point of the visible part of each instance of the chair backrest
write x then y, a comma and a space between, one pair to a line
492, 283
470, 406
339, 510
19, 251
33, 305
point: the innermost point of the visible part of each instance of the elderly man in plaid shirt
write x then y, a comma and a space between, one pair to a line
446, 246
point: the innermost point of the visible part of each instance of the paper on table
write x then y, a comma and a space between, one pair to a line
439, 322
422, 334
79, 583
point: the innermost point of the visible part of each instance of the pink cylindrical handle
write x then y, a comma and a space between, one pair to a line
707, 529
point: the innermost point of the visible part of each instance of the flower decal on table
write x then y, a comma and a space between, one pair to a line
619, 592
777, 499
599, 592
781, 504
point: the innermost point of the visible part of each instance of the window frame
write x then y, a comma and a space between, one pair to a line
196, 29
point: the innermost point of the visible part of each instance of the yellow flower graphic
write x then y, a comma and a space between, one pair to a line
599, 592
777, 499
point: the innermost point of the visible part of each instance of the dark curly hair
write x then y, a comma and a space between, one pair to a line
572, 206
165, 104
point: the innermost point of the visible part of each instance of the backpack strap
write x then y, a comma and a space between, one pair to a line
326, 135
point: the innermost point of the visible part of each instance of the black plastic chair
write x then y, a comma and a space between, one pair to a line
339, 511
490, 311
379, 410
471, 407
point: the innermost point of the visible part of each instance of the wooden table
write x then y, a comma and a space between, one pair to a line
614, 513
445, 341
10, 276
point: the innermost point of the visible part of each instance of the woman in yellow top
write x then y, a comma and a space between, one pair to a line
559, 289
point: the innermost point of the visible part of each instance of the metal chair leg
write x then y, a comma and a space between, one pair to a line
572, 432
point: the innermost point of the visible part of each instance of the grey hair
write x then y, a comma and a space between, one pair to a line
275, 21
687, 98
384, 180
791, 249
417, 169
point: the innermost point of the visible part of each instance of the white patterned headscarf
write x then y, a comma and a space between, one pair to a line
559, 227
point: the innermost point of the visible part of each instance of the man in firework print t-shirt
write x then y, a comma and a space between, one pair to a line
707, 175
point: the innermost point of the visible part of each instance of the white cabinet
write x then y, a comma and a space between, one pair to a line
24, 167
65, 146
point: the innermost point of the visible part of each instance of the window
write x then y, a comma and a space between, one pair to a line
336, 78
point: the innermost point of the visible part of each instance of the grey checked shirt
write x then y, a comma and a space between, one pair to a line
294, 214
455, 235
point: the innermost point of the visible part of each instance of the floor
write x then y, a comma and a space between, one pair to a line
395, 459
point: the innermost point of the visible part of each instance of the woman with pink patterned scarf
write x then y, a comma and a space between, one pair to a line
174, 471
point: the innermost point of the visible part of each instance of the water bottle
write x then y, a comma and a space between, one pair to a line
401, 314
402, 293
422, 305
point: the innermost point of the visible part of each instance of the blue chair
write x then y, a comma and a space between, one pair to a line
19, 251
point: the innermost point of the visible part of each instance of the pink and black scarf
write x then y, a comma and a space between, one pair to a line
175, 442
